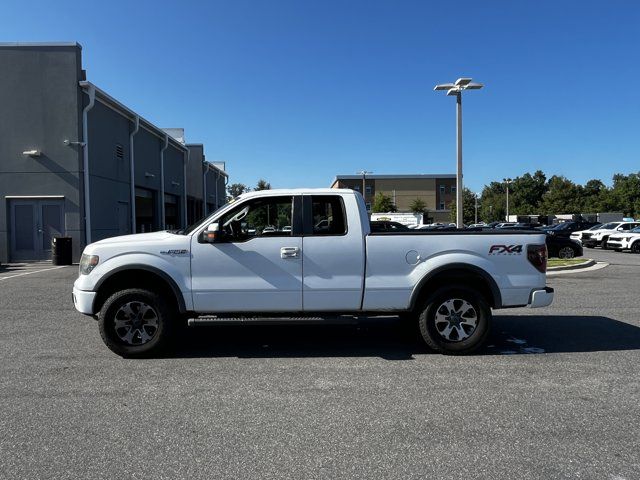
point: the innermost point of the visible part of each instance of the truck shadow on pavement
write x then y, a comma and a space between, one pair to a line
390, 339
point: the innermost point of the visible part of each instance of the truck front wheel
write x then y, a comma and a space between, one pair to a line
455, 321
135, 323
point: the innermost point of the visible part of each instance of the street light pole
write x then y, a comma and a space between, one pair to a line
364, 183
459, 199
507, 181
456, 89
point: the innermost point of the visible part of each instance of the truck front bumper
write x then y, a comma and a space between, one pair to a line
83, 301
541, 298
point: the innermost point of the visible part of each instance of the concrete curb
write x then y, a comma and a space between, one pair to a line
576, 266
580, 267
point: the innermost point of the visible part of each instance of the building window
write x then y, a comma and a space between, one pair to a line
368, 204
357, 188
453, 190
442, 189
441, 205
368, 189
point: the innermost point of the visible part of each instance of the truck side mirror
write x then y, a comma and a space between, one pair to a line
213, 234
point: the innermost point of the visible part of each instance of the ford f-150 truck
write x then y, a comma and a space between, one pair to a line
306, 254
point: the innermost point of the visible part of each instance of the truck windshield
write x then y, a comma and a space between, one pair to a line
193, 226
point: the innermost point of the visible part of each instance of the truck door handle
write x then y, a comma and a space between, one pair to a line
289, 252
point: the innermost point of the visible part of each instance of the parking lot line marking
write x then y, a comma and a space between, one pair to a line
35, 271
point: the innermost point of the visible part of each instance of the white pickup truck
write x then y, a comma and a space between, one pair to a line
306, 254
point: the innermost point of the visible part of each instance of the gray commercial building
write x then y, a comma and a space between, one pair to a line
76, 162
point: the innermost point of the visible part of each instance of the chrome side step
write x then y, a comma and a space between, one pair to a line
210, 320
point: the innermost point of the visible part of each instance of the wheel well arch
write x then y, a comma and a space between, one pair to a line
139, 276
462, 275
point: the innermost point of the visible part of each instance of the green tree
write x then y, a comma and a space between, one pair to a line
418, 206
468, 207
262, 185
382, 203
525, 193
492, 203
625, 194
236, 189
596, 197
562, 196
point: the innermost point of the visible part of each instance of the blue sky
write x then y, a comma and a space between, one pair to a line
298, 91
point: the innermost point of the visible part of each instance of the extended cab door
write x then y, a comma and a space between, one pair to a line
257, 265
333, 253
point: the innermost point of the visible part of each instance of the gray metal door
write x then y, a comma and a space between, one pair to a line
33, 224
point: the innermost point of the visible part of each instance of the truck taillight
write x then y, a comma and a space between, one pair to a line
537, 255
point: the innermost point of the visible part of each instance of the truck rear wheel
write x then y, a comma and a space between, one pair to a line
455, 321
135, 323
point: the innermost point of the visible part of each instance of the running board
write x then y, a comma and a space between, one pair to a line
209, 320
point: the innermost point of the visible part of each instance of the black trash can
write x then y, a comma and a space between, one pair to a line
61, 250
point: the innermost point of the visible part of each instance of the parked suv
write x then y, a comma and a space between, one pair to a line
601, 236
628, 241
577, 236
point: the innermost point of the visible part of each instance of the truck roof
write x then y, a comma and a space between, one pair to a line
296, 191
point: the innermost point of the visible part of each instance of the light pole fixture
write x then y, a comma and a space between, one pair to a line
507, 181
364, 174
457, 89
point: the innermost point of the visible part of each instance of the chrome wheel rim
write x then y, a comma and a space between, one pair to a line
456, 320
566, 252
136, 323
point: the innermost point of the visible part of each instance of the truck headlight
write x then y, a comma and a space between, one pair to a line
88, 263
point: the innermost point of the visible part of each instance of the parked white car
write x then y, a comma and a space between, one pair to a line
627, 241
141, 287
577, 236
600, 237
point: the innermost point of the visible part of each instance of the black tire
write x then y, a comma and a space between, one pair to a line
434, 332
135, 344
635, 247
566, 252
603, 243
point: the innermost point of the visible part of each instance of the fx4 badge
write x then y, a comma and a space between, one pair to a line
173, 253
505, 250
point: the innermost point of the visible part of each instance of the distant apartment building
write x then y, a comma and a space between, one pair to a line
74, 161
436, 190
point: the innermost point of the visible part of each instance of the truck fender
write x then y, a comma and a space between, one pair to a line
458, 267
139, 266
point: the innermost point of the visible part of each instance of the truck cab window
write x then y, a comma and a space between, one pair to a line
262, 217
328, 215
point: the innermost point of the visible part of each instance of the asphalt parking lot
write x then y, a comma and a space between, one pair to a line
555, 394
